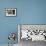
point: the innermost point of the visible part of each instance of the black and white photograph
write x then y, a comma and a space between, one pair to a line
10, 11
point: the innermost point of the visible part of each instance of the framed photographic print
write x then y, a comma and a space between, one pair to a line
10, 11
33, 32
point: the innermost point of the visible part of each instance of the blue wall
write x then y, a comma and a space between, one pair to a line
33, 12
28, 12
